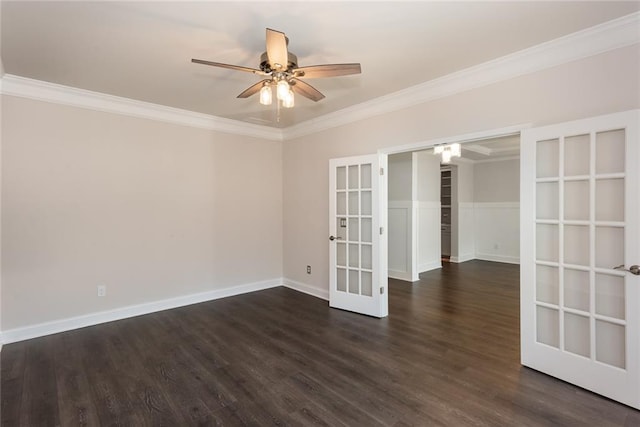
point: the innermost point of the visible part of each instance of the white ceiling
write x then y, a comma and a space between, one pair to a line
142, 50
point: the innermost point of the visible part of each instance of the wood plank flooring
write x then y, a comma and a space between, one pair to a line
448, 354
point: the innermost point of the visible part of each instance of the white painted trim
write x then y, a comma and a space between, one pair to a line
400, 204
498, 258
410, 206
306, 289
401, 275
496, 205
428, 205
422, 268
62, 325
601, 38
49, 92
467, 137
496, 159
462, 258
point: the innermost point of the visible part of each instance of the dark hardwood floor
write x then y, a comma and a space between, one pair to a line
448, 354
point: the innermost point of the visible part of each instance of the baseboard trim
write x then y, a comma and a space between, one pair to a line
463, 258
498, 258
306, 289
401, 275
428, 266
56, 326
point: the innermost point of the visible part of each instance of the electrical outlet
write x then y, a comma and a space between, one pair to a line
102, 290
308, 269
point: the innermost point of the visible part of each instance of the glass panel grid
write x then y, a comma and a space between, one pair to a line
580, 187
547, 326
354, 252
547, 155
610, 295
610, 199
354, 177
610, 151
547, 284
577, 335
576, 289
610, 344
576, 155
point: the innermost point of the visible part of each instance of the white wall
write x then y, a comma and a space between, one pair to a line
400, 177
427, 211
151, 210
463, 234
497, 210
497, 181
596, 85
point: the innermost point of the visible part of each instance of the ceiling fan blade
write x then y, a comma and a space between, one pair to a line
231, 67
277, 50
306, 90
327, 70
253, 89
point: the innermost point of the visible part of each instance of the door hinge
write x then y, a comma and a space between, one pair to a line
381, 171
381, 230
381, 290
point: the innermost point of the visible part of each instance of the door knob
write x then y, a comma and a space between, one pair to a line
332, 238
634, 269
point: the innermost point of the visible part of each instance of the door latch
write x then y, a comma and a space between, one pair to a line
634, 269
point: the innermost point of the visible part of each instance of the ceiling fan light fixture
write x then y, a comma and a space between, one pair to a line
280, 69
288, 101
447, 152
455, 150
266, 96
446, 156
282, 90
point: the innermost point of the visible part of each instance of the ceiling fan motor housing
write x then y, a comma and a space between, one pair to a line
264, 62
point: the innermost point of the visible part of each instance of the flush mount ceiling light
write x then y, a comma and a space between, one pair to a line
281, 69
447, 152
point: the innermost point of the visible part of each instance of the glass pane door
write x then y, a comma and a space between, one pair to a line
357, 282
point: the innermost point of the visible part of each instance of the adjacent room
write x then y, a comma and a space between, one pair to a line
319, 213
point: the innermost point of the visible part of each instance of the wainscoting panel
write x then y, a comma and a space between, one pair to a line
401, 239
429, 236
497, 227
466, 247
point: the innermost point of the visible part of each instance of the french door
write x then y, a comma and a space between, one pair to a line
357, 241
580, 292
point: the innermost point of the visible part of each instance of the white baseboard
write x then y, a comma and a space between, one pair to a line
462, 258
428, 266
401, 275
53, 327
307, 289
499, 258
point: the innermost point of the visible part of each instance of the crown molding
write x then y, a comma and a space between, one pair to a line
601, 38
598, 39
66, 95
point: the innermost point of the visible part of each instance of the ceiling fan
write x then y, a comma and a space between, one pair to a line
280, 67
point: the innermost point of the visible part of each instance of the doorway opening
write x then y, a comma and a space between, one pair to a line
456, 211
